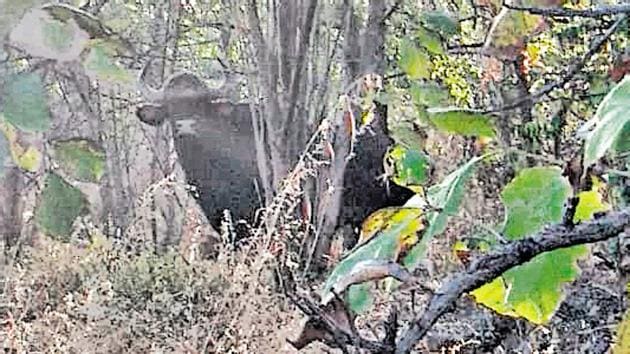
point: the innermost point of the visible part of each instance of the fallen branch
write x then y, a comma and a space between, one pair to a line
488, 267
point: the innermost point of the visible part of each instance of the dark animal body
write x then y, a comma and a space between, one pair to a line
215, 143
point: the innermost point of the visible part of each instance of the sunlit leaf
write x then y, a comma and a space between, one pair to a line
415, 61
25, 156
533, 290
385, 234
446, 196
25, 105
411, 167
590, 202
463, 123
603, 130
81, 159
59, 205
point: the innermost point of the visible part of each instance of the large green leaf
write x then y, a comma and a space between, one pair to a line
533, 290
445, 196
430, 41
411, 167
81, 159
415, 61
25, 105
608, 123
463, 123
59, 205
385, 233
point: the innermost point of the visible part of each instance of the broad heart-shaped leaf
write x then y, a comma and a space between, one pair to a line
608, 123
100, 62
446, 196
59, 205
463, 123
80, 159
411, 167
24, 103
415, 61
387, 233
533, 290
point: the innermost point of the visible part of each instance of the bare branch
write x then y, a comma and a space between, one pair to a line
492, 265
598, 11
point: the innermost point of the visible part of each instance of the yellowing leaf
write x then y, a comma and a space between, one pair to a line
590, 202
415, 61
622, 337
28, 158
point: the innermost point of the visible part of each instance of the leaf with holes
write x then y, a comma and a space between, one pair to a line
59, 205
80, 159
25, 103
533, 290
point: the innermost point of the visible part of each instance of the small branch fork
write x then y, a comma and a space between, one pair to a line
483, 270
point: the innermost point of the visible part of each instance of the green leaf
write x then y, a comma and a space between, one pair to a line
384, 234
430, 41
533, 199
411, 167
512, 29
440, 22
101, 63
429, 94
415, 61
81, 159
622, 144
590, 202
59, 205
25, 105
463, 123
608, 123
446, 196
